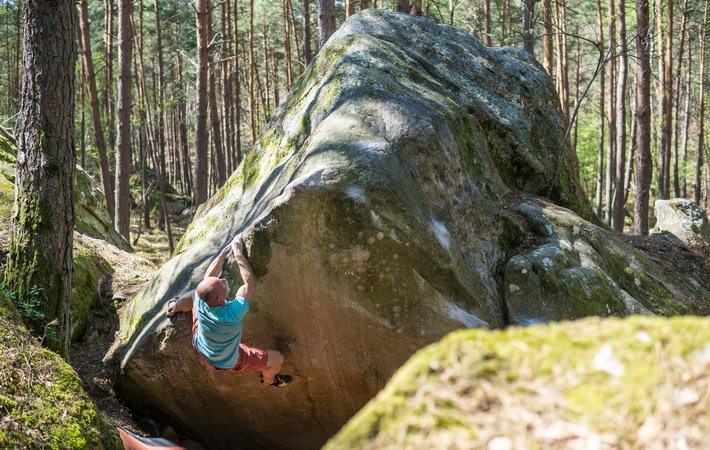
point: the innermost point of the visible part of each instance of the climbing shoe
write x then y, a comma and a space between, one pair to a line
279, 380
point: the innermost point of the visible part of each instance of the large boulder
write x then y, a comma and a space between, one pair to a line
379, 208
634, 383
684, 220
42, 402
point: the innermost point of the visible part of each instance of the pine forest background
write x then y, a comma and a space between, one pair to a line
207, 76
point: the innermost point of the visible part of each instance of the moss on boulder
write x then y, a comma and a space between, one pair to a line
635, 383
42, 403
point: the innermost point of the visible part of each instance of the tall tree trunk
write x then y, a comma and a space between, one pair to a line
602, 118
611, 151
676, 177
349, 8
487, 22
401, 6
43, 216
123, 140
326, 21
287, 45
227, 98
307, 53
109, 82
666, 87
237, 86
528, 14
216, 132
619, 207
701, 120
632, 152
82, 132
643, 120
686, 121
160, 129
201, 138
252, 73
416, 8
547, 40
88, 64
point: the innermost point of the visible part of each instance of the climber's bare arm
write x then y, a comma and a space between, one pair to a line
248, 289
216, 265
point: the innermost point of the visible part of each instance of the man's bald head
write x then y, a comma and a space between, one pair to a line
213, 291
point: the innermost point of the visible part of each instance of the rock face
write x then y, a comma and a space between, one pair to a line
683, 219
379, 208
554, 386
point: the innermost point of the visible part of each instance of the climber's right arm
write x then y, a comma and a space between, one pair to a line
248, 289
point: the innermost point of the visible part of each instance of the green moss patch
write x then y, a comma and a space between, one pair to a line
628, 383
42, 404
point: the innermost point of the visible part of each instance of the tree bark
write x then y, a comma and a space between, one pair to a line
528, 14
326, 21
487, 22
43, 216
214, 114
402, 6
307, 53
611, 131
547, 40
237, 88
201, 137
123, 140
252, 74
602, 118
676, 176
686, 122
349, 8
619, 206
88, 64
643, 120
160, 129
108, 90
701, 122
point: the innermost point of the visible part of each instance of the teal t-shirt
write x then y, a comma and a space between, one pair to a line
219, 330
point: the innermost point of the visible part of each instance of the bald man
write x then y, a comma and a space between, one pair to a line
217, 322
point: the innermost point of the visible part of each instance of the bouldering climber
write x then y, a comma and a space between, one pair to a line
217, 323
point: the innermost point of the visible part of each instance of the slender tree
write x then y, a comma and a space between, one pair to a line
643, 120
619, 206
547, 39
108, 70
528, 14
89, 76
305, 9
349, 8
43, 217
201, 138
686, 122
123, 140
402, 6
602, 118
701, 119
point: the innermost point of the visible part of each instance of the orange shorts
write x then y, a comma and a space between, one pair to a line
250, 359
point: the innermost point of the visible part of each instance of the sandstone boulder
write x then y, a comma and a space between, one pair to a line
683, 219
380, 208
586, 384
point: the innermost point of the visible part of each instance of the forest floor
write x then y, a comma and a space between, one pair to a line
131, 272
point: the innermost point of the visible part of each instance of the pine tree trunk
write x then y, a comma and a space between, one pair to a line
400, 6
252, 74
349, 8
287, 46
237, 86
643, 120
88, 64
701, 119
43, 217
611, 131
123, 140
307, 53
528, 14
676, 131
602, 118
326, 21
686, 122
109, 81
547, 40
201, 137
160, 129
619, 206
665, 68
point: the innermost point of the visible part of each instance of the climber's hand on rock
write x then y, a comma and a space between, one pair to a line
237, 244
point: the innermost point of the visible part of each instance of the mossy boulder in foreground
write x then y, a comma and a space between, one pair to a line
380, 208
633, 383
42, 403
